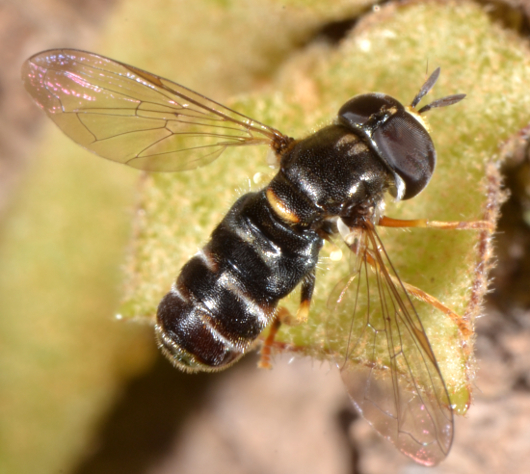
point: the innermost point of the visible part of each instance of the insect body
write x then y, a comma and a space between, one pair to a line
268, 243
332, 182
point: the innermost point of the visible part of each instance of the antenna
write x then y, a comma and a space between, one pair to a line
443, 102
429, 83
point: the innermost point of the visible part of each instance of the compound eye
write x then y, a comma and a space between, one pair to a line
399, 139
359, 109
407, 148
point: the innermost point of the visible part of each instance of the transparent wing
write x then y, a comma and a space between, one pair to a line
385, 359
133, 117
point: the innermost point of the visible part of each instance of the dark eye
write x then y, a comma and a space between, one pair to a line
359, 109
397, 137
407, 147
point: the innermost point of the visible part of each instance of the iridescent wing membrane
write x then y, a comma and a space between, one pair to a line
133, 117
385, 359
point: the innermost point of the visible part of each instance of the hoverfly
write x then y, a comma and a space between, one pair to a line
331, 183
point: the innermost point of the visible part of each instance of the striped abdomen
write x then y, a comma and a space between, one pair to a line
227, 293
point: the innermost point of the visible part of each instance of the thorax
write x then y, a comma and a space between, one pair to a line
328, 174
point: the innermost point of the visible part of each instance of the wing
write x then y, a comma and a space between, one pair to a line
386, 361
133, 117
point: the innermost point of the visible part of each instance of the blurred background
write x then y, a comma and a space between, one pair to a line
82, 393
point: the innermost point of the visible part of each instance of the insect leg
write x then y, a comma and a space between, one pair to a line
461, 323
284, 316
266, 349
484, 225
306, 293
458, 225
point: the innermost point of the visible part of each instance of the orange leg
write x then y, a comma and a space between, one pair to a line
459, 225
284, 316
266, 349
462, 323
